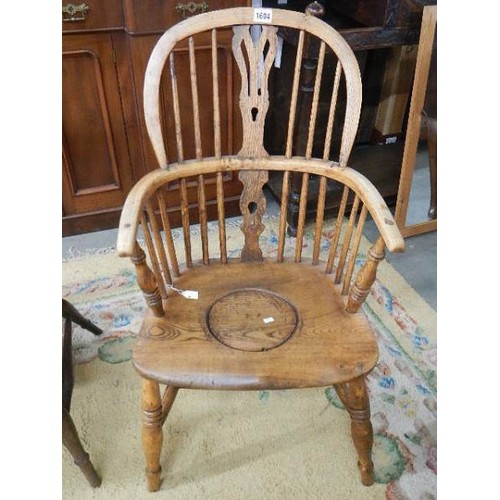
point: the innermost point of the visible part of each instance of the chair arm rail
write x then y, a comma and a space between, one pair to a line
369, 195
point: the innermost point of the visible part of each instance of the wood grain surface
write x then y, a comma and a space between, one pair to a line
329, 345
252, 319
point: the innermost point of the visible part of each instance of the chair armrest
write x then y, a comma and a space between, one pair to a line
377, 208
131, 213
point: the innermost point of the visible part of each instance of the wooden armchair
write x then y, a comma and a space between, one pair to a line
251, 323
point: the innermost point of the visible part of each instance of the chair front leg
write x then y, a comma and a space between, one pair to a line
355, 397
152, 433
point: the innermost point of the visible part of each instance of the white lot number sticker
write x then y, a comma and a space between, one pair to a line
263, 15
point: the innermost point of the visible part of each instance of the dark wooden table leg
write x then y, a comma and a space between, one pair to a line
69, 433
72, 442
67, 366
432, 144
69, 311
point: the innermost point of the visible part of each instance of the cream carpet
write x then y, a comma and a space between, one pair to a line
253, 445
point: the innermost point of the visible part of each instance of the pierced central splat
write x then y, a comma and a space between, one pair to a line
254, 59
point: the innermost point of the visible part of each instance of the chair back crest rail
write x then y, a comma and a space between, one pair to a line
254, 48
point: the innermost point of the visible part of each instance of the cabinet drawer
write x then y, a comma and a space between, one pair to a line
146, 16
91, 14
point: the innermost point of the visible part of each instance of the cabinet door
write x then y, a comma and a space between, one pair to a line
96, 161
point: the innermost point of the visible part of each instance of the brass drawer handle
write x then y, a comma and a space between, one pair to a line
191, 8
74, 13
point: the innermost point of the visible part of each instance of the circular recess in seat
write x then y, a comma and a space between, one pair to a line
252, 319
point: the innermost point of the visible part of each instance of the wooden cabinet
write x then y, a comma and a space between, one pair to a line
106, 48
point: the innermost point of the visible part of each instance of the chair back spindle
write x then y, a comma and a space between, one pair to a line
156, 245
336, 233
354, 251
176, 111
160, 278
216, 100
347, 239
167, 231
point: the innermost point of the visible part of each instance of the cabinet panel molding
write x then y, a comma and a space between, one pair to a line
96, 160
87, 129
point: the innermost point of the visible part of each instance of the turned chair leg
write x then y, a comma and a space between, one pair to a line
72, 442
152, 433
355, 398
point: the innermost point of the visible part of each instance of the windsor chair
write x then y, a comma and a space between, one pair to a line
249, 322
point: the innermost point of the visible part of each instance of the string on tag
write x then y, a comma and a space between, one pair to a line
188, 294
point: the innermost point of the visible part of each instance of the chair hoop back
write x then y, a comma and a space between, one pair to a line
245, 16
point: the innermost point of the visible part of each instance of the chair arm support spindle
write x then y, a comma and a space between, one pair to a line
366, 276
147, 282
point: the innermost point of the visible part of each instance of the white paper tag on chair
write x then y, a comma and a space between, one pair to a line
263, 15
188, 294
